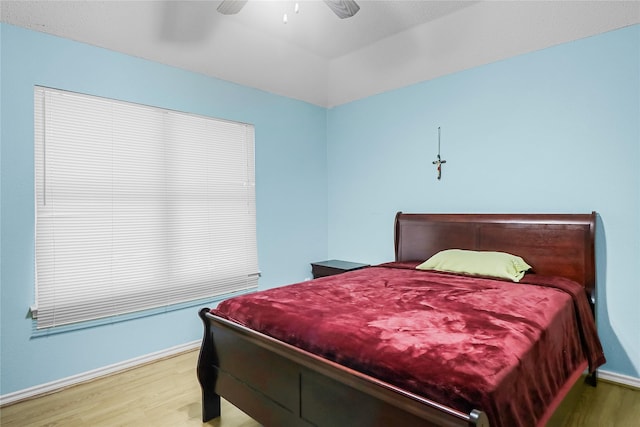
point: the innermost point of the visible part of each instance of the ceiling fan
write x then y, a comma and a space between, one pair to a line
342, 8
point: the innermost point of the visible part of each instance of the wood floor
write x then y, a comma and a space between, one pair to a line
166, 393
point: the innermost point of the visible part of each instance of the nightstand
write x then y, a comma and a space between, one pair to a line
334, 266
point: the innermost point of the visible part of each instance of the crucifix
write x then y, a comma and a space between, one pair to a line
439, 162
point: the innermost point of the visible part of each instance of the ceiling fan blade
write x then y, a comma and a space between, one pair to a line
343, 8
185, 21
231, 7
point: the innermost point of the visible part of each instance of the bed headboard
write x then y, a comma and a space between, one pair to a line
553, 244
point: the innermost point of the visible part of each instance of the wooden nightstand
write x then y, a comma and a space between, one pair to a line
334, 266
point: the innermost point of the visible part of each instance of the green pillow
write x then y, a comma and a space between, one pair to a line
478, 263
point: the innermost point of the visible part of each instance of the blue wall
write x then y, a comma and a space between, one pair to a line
291, 193
554, 131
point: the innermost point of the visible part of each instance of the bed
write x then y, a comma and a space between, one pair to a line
284, 357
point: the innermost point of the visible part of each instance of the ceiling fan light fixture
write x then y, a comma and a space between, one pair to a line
342, 8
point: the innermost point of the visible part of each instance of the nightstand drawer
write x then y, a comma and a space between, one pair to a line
334, 266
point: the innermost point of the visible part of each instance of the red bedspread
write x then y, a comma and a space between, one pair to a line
505, 348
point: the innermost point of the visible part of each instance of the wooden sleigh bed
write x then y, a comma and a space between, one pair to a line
281, 385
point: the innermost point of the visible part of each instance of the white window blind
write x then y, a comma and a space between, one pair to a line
138, 207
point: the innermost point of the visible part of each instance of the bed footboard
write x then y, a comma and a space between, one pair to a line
278, 384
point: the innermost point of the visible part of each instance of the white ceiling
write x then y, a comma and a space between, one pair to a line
317, 57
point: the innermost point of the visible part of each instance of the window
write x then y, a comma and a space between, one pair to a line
138, 207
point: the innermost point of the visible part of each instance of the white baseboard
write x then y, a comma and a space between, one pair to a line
50, 387
619, 378
131, 363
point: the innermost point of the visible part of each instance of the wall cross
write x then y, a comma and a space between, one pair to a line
439, 162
